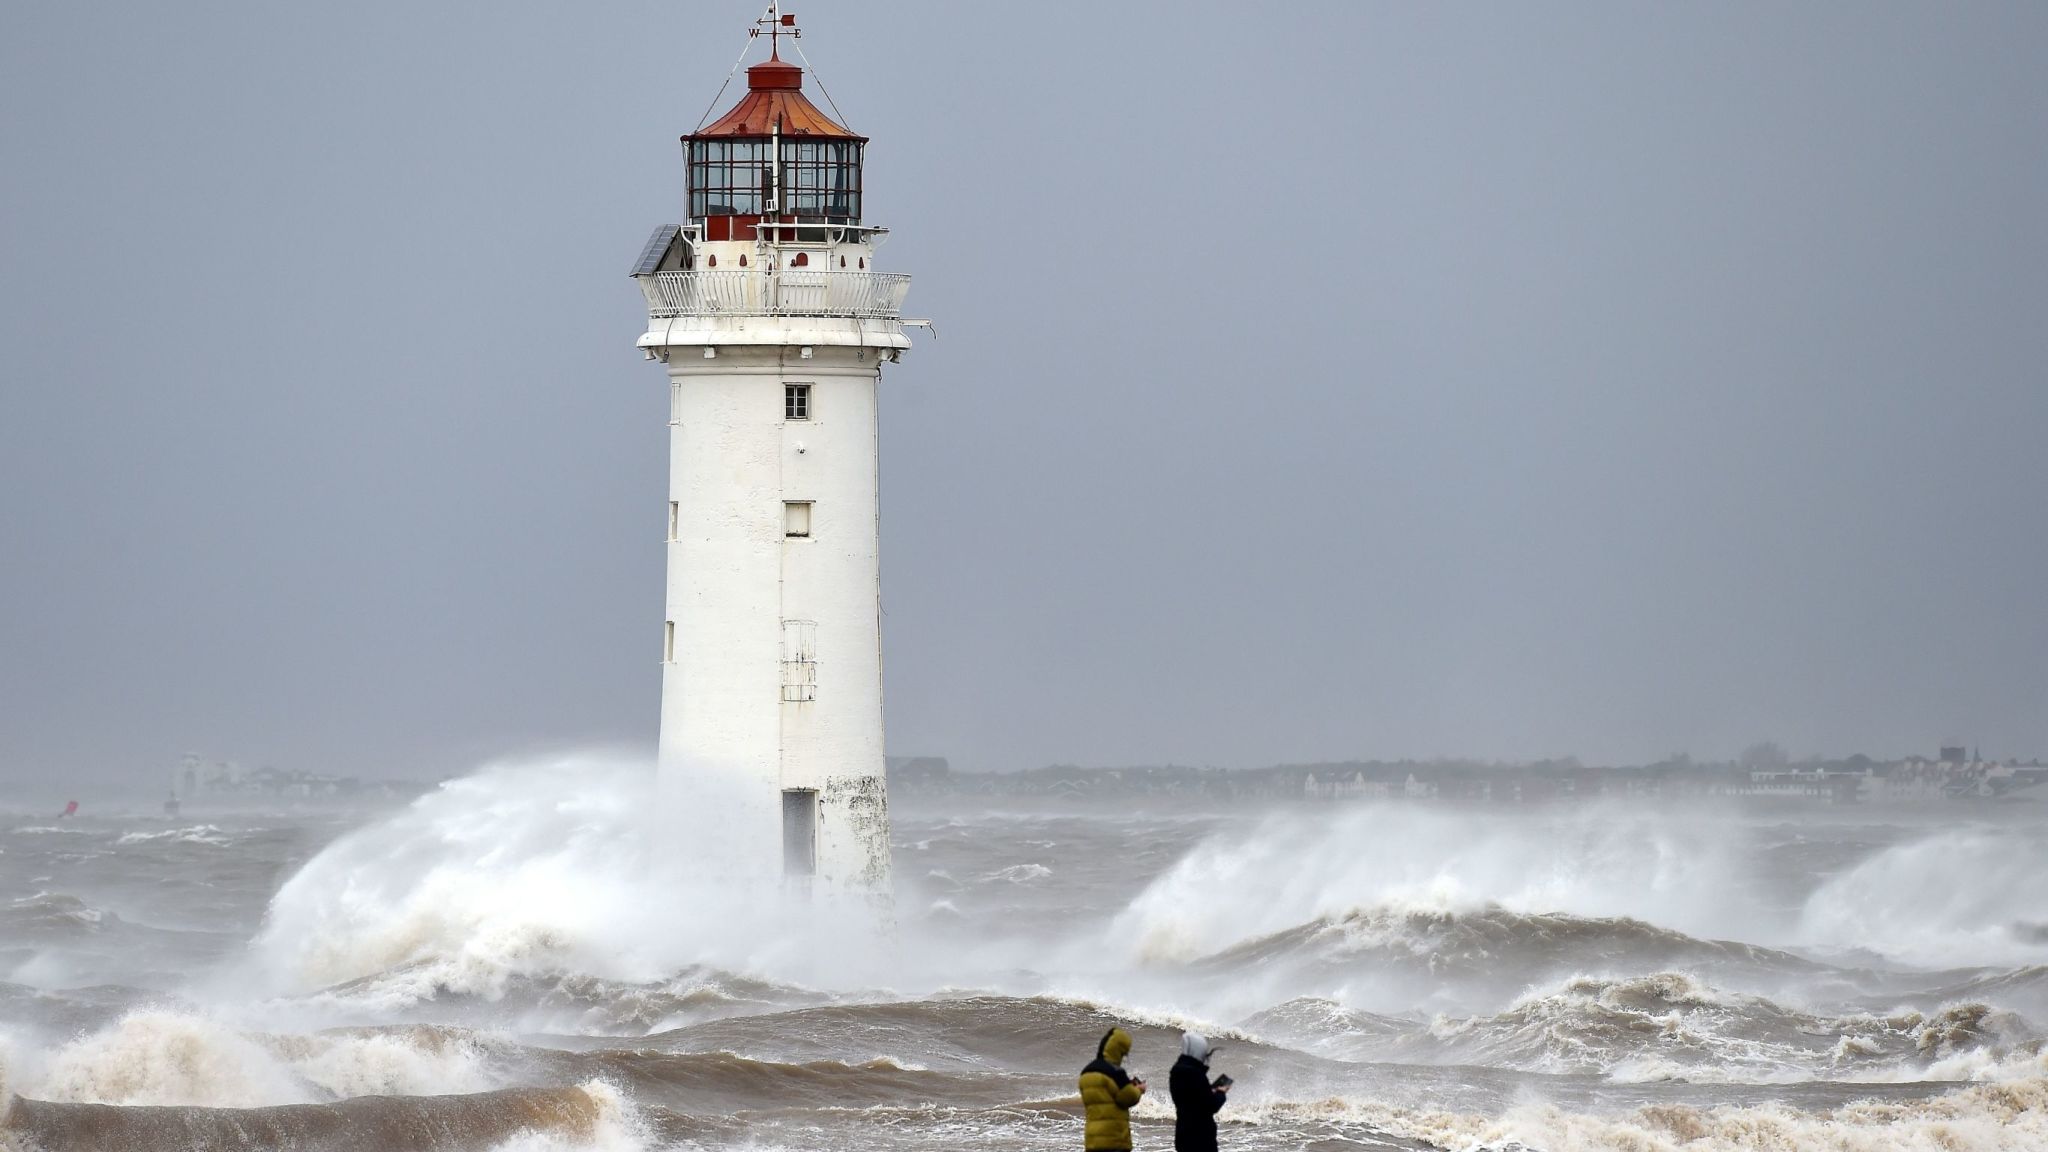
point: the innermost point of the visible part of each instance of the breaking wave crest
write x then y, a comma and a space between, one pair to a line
591, 1117
167, 1058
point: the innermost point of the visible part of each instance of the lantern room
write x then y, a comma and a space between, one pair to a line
774, 159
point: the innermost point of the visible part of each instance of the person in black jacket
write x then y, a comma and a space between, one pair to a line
1196, 1099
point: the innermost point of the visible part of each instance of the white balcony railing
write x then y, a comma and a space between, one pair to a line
792, 292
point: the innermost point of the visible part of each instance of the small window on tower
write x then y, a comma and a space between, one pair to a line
675, 403
796, 518
796, 401
668, 642
675, 517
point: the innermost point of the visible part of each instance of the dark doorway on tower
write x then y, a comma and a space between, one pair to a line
799, 833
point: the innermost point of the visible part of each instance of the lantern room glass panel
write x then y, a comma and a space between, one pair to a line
729, 177
821, 178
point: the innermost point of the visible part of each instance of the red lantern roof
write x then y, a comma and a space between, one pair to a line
775, 97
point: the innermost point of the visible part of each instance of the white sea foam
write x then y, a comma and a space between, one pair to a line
2010, 1116
1020, 873
199, 834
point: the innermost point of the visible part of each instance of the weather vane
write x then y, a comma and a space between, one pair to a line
779, 24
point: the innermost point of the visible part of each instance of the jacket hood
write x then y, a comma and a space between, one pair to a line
1195, 1046
1116, 1044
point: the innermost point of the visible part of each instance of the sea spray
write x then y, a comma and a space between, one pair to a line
1294, 868
542, 868
1961, 896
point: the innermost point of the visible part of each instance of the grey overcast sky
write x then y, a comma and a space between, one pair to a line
1317, 380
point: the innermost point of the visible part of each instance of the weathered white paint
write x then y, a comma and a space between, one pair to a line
752, 607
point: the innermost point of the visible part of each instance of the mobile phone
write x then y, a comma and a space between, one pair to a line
1224, 1081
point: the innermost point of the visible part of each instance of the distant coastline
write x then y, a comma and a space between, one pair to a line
1854, 780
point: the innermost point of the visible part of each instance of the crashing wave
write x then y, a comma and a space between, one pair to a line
536, 870
166, 1058
1672, 1026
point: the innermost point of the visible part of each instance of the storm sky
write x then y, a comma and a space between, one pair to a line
1315, 380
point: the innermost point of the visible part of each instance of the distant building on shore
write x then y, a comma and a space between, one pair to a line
198, 777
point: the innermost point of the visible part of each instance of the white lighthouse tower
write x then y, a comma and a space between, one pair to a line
767, 309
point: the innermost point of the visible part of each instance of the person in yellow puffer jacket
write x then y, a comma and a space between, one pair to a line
1108, 1094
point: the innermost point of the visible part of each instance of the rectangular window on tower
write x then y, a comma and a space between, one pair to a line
796, 518
675, 518
675, 403
796, 401
799, 832
668, 642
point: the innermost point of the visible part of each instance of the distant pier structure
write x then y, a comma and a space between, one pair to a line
773, 320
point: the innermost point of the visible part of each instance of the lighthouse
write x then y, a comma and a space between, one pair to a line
767, 309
